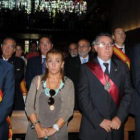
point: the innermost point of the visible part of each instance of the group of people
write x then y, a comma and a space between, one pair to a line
97, 82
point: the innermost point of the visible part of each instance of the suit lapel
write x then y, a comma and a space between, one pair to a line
113, 71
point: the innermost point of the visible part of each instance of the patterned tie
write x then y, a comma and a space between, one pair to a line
106, 70
44, 65
84, 61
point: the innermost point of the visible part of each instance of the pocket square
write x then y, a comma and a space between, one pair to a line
18, 69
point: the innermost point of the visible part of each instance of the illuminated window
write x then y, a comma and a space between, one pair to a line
26, 46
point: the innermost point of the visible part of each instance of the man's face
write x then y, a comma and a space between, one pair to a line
33, 47
73, 50
8, 48
119, 36
83, 48
45, 45
104, 48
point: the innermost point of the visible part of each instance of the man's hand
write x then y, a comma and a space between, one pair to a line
105, 124
115, 123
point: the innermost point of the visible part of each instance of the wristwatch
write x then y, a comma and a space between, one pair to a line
55, 126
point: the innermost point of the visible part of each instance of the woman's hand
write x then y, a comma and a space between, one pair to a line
51, 131
41, 131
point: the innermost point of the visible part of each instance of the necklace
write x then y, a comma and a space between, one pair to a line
55, 87
107, 84
52, 93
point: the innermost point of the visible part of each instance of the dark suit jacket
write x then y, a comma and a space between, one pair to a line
73, 69
34, 68
135, 72
7, 84
19, 66
96, 103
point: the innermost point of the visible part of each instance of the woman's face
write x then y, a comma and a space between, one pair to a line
54, 63
18, 51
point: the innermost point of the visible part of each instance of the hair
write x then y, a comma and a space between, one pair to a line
100, 35
54, 52
33, 42
72, 43
49, 37
85, 40
21, 45
113, 30
10, 38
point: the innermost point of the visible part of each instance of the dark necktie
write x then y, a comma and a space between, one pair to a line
44, 65
106, 70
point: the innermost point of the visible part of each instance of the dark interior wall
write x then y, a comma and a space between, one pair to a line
126, 14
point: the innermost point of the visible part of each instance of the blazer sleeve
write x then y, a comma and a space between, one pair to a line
8, 90
67, 101
31, 97
86, 105
126, 98
28, 75
135, 67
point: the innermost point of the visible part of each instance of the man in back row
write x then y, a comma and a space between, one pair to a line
121, 51
8, 49
104, 94
37, 65
75, 63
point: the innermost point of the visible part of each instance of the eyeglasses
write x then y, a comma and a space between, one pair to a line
51, 99
8, 45
104, 44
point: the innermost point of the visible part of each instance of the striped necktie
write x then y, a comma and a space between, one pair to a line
44, 65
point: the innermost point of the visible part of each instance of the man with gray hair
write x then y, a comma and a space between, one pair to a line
104, 94
8, 49
75, 63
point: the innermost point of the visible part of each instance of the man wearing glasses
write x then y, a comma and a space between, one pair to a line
8, 49
104, 94
75, 63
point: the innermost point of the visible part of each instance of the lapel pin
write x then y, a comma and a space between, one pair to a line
115, 70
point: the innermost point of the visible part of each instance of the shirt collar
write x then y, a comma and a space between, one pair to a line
102, 65
81, 58
119, 46
4, 58
123, 47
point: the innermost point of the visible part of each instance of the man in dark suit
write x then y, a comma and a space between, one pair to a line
7, 90
121, 51
74, 64
37, 65
135, 72
104, 94
8, 49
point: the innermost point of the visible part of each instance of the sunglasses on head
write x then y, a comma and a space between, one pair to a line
51, 99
